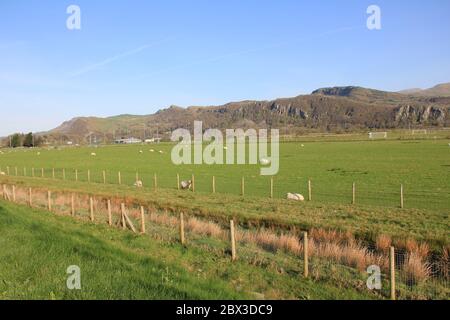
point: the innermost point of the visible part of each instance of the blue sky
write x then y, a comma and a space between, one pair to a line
140, 56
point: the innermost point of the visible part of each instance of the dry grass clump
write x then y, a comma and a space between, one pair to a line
205, 228
331, 236
272, 242
412, 246
352, 254
383, 243
416, 269
164, 219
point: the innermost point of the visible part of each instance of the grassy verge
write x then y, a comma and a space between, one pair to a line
38, 246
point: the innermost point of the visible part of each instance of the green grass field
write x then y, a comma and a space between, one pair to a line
38, 247
377, 167
140, 267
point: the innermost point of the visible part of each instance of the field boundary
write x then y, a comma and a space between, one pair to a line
352, 195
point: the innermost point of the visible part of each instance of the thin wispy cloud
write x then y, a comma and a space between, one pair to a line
248, 51
115, 58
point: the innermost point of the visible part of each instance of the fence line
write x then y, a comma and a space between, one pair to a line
410, 273
383, 197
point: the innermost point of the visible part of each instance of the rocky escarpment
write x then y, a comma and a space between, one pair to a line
425, 115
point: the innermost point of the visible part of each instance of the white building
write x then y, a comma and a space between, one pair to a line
128, 141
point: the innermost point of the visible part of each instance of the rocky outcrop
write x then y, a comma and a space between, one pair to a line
431, 115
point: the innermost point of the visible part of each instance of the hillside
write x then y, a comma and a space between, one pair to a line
441, 90
327, 109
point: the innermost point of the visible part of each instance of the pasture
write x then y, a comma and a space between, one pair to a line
378, 168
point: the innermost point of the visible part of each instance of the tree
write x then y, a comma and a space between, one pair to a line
16, 140
28, 141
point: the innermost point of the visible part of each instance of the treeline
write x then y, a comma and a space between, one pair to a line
28, 140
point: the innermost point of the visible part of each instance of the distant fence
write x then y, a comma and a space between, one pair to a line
319, 190
410, 271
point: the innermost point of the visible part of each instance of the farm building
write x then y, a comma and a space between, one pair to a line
128, 141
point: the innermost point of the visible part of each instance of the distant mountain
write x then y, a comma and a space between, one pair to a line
441, 90
326, 109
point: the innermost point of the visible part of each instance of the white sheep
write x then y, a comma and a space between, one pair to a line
2, 173
151, 150
138, 184
140, 151
186, 185
295, 196
160, 151
93, 154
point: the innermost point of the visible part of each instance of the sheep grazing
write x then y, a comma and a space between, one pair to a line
93, 154
2, 173
140, 151
151, 150
161, 152
186, 185
264, 162
138, 184
295, 196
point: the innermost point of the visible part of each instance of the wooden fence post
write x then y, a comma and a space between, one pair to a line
91, 208
108, 204
119, 178
142, 220
30, 197
137, 176
392, 272
15, 169
271, 187
155, 181
178, 181
5, 194
193, 183
401, 197
14, 193
233, 241
122, 210
354, 193
24, 171
64, 174
305, 255
42, 173
49, 200
7, 170
72, 205
53, 173
76, 175
309, 190
214, 184
104, 177
182, 238
89, 175
243, 186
